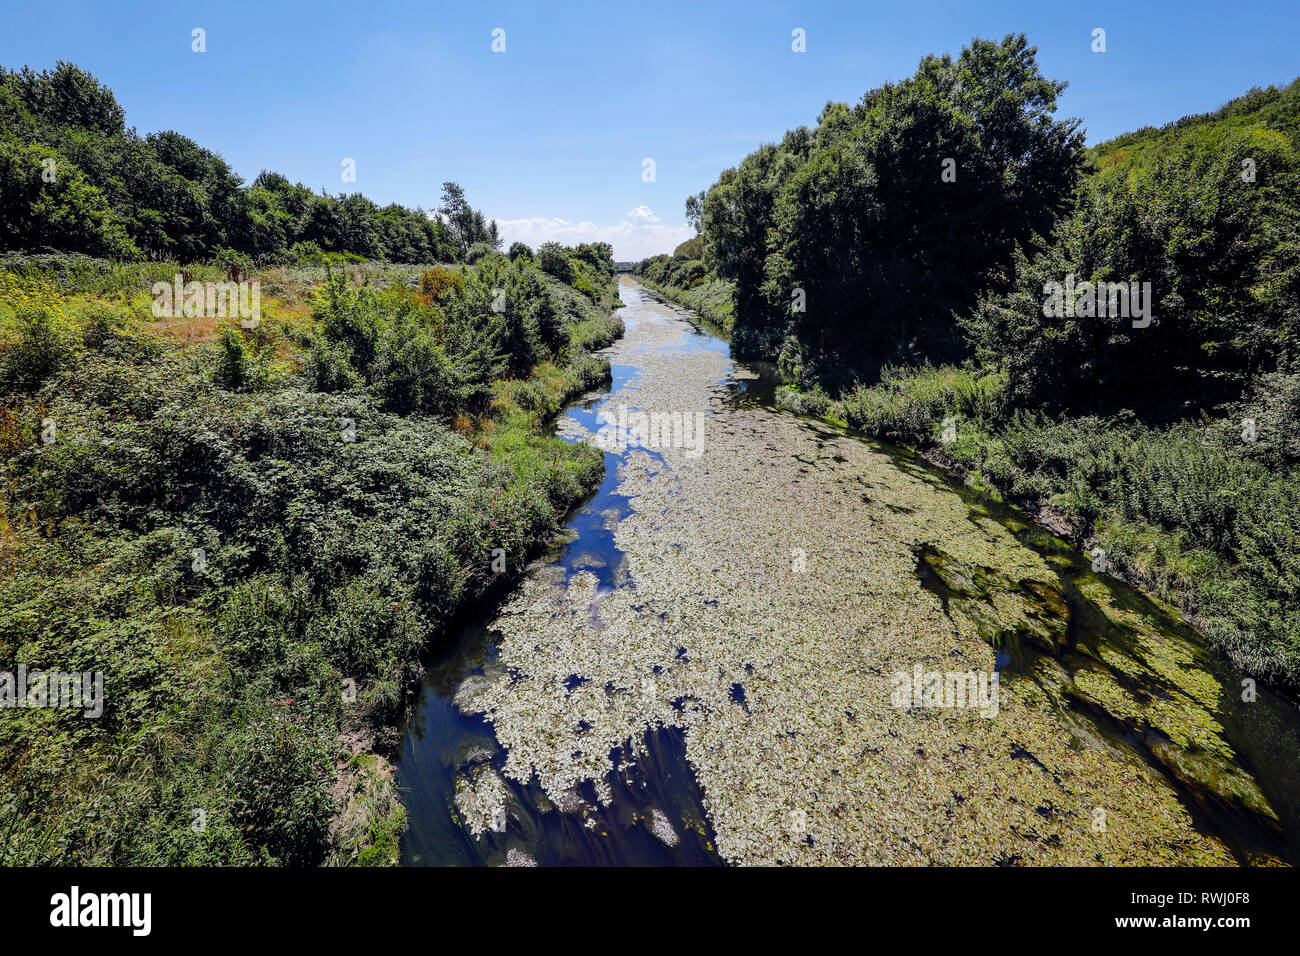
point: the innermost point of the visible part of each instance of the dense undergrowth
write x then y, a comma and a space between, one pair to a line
253, 532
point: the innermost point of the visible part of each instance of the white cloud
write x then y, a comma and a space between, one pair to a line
638, 236
643, 212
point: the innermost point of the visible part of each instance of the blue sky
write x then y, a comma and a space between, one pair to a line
549, 136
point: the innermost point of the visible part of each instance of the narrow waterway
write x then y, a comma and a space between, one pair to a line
734, 659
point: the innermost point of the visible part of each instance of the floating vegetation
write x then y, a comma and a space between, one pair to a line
760, 564
481, 799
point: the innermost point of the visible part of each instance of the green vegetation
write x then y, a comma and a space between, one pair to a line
253, 529
847, 247
683, 278
1174, 445
232, 531
1191, 511
74, 178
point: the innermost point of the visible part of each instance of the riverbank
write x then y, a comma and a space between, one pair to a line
1190, 514
252, 532
711, 300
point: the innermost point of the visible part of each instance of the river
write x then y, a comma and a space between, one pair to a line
752, 647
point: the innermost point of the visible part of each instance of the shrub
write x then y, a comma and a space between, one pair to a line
909, 404
595, 333
237, 265
328, 369
412, 373
102, 322
589, 371
813, 402
1273, 405
477, 250
45, 344
438, 282
350, 318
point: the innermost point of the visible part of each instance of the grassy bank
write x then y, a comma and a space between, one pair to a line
253, 531
1193, 513
708, 297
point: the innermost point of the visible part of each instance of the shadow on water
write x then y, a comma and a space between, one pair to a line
1073, 630
655, 816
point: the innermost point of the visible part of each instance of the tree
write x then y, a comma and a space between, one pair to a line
67, 213
554, 260
68, 96
1218, 254
458, 216
695, 210
73, 177
858, 215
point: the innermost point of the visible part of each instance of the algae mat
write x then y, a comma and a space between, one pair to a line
770, 591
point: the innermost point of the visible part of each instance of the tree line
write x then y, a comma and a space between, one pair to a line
924, 224
75, 178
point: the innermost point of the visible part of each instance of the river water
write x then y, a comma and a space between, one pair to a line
733, 656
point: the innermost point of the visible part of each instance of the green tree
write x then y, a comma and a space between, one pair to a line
850, 247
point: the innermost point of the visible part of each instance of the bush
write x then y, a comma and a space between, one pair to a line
438, 282
412, 373
328, 369
815, 402
46, 343
1273, 405
102, 322
596, 333
589, 371
237, 265
909, 404
478, 250
349, 318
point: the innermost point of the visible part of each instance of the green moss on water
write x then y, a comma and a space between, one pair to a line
1143, 676
901, 569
